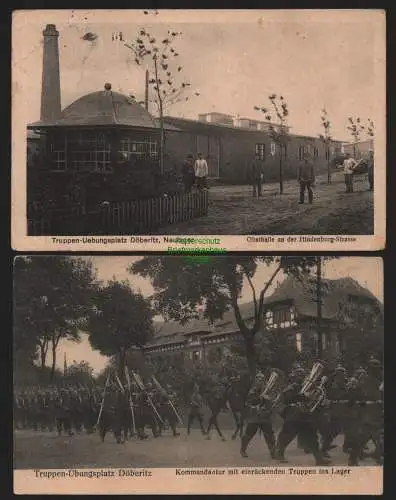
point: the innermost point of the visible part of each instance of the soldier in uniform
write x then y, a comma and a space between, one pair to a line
259, 416
298, 421
196, 404
373, 409
337, 395
62, 412
168, 398
151, 419
256, 175
216, 400
110, 418
140, 413
76, 409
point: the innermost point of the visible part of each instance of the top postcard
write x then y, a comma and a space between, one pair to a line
198, 130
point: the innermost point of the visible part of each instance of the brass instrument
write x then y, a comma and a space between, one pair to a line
312, 390
273, 389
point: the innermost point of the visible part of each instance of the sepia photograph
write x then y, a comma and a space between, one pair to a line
191, 362
225, 123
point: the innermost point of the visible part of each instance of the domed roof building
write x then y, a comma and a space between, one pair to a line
102, 108
97, 132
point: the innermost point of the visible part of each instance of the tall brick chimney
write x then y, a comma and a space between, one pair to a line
50, 86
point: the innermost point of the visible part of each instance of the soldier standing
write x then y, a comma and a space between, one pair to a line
259, 416
256, 176
370, 170
196, 404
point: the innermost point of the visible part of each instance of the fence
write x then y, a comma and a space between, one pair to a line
129, 217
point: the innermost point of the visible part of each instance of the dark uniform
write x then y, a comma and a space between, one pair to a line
372, 421
63, 412
166, 410
337, 395
258, 416
152, 417
112, 414
256, 176
370, 172
216, 400
188, 173
298, 422
196, 404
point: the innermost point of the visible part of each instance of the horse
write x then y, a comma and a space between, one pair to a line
232, 396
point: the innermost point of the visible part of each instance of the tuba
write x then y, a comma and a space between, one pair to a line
313, 388
273, 388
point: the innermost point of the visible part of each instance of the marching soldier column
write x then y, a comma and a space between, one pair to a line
315, 409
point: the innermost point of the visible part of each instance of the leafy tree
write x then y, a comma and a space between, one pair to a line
161, 58
80, 373
361, 325
51, 300
181, 286
279, 133
120, 319
326, 139
355, 128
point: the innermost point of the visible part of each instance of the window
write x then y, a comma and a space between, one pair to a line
284, 317
130, 148
273, 148
90, 151
301, 152
327, 154
338, 345
324, 342
299, 342
316, 152
285, 150
196, 355
260, 151
315, 344
58, 152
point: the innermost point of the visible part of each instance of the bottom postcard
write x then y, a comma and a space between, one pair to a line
183, 375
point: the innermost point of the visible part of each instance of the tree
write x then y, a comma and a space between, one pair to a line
355, 128
161, 59
51, 301
326, 139
120, 319
80, 373
361, 326
279, 133
370, 127
181, 286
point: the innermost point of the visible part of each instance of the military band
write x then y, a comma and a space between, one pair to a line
315, 409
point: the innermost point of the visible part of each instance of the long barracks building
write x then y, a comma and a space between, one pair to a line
106, 138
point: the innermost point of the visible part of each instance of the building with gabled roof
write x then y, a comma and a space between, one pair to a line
290, 310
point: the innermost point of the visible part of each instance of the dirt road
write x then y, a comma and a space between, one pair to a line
233, 210
47, 450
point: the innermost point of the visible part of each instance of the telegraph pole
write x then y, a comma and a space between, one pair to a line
319, 305
146, 91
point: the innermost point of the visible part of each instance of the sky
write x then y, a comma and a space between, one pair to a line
234, 59
366, 270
